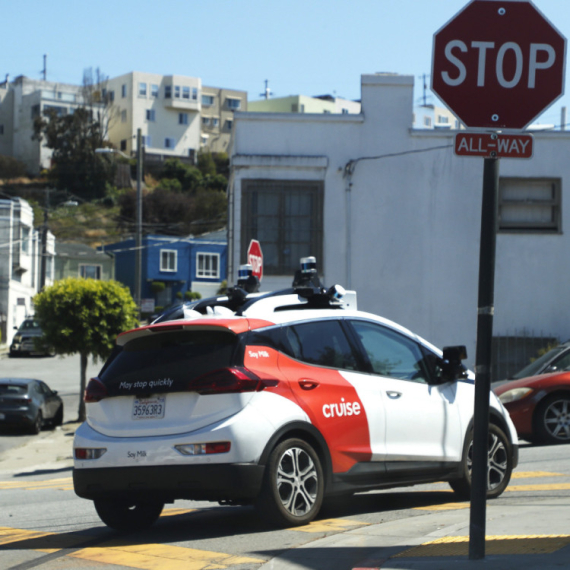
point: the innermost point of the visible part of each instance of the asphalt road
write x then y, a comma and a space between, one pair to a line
44, 525
61, 373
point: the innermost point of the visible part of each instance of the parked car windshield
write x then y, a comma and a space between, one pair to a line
29, 325
533, 368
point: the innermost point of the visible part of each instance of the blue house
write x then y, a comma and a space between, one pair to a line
172, 266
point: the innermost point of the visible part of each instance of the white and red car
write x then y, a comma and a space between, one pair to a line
278, 400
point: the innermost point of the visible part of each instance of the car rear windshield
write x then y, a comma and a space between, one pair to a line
12, 389
166, 362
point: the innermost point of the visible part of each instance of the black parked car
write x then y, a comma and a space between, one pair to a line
29, 340
29, 403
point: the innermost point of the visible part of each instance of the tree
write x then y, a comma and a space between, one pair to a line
84, 316
74, 138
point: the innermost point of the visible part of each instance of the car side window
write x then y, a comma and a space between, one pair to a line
563, 363
321, 342
390, 353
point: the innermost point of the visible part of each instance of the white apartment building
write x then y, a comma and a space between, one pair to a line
390, 211
165, 107
20, 255
304, 104
21, 101
433, 117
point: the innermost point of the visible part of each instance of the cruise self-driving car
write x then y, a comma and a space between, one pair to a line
277, 400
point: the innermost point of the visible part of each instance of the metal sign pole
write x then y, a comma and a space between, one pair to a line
485, 313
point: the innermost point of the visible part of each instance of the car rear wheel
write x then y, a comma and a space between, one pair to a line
128, 515
553, 419
37, 424
293, 488
499, 466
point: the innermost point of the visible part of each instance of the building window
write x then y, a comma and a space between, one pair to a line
153, 90
229, 124
150, 115
207, 100
111, 96
194, 94
56, 110
286, 216
215, 122
529, 205
182, 118
1, 129
169, 142
142, 89
208, 265
177, 91
124, 144
25, 239
123, 91
124, 116
234, 104
185, 92
168, 259
90, 271
427, 121
168, 91
344, 111
146, 140
205, 121
442, 120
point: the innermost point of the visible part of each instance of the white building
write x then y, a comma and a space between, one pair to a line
303, 104
391, 212
21, 101
20, 253
165, 107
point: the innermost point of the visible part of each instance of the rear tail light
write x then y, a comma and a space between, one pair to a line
95, 391
23, 401
89, 453
229, 381
204, 448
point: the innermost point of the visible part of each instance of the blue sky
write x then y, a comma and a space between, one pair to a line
307, 47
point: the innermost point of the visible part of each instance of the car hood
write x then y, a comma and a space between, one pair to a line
535, 382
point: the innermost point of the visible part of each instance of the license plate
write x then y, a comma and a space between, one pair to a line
148, 408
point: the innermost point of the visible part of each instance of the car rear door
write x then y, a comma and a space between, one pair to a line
422, 419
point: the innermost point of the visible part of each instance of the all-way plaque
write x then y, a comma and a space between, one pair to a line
493, 145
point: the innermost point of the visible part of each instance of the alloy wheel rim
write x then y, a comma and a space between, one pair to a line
557, 420
497, 461
297, 481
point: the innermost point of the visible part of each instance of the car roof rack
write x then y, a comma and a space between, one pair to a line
307, 287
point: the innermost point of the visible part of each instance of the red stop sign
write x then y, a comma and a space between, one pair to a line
255, 258
498, 64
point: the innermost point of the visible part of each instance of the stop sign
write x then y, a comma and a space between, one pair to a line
498, 64
255, 258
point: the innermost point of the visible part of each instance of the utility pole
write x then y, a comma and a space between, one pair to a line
43, 258
138, 256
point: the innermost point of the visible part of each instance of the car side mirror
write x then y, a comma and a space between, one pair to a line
450, 367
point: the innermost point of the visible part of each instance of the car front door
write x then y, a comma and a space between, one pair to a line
422, 420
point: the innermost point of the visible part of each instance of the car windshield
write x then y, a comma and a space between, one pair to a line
167, 360
533, 368
28, 325
12, 389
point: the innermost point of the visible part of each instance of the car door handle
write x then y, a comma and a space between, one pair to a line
307, 384
393, 395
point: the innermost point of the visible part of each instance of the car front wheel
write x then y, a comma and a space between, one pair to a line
553, 419
499, 466
293, 487
128, 515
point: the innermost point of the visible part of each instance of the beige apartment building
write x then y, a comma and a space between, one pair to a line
218, 107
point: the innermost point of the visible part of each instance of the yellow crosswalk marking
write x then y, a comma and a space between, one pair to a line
161, 557
328, 525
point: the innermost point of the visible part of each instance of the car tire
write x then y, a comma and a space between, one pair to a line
500, 466
293, 486
552, 419
128, 515
58, 418
37, 424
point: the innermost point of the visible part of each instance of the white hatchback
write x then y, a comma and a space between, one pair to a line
278, 400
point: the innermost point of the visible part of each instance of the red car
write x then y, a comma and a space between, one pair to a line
539, 406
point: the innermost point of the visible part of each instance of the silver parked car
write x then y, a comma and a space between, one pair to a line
29, 403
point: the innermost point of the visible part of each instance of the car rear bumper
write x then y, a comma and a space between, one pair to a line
231, 482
